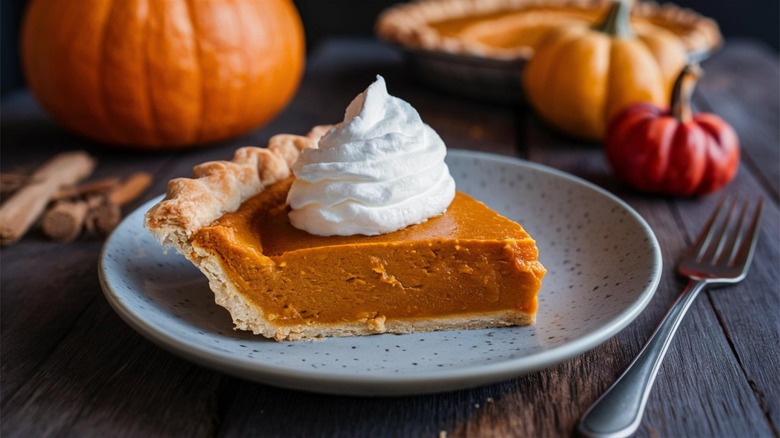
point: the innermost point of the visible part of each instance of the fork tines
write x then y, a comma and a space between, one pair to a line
726, 240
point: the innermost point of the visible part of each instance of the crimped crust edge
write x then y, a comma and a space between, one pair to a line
216, 188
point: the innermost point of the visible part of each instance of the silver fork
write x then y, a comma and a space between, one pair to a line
721, 255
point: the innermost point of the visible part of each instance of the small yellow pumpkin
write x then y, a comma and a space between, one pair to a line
168, 74
580, 76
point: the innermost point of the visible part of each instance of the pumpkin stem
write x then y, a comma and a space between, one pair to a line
618, 20
682, 91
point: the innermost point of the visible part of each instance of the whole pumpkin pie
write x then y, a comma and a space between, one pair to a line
511, 29
466, 267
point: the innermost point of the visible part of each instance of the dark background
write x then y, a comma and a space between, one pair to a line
323, 18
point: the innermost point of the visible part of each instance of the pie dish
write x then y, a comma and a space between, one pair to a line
467, 268
510, 29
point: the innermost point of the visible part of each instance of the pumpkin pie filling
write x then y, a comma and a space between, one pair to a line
469, 260
512, 29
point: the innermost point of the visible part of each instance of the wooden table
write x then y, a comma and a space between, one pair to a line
71, 367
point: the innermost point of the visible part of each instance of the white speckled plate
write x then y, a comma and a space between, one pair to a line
603, 265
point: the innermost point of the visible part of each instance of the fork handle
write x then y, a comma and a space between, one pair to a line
618, 412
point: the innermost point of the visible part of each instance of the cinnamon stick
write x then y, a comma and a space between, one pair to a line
131, 188
11, 182
94, 203
105, 215
64, 221
86, 189
26, 205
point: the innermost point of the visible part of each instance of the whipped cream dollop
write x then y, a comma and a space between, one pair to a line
380, 170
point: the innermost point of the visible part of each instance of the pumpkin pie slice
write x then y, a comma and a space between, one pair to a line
465, 269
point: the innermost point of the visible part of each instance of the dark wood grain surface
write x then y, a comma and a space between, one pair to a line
71, 367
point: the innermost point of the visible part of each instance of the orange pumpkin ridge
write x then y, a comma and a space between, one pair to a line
123, 51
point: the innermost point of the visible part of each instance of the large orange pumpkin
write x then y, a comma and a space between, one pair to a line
162, 74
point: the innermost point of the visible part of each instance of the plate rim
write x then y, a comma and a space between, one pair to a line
422, 382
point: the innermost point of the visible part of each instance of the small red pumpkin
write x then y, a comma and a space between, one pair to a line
673, 152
